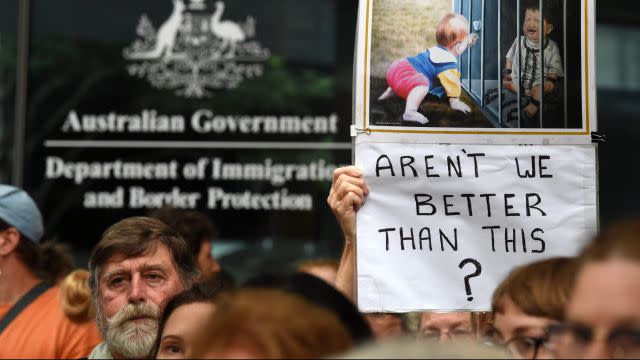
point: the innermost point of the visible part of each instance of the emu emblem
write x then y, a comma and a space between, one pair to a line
195, 50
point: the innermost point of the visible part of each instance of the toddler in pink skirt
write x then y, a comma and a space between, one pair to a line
434, 71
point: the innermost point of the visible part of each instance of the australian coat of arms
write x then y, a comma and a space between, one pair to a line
196, 49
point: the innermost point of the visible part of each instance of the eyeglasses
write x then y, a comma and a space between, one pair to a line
572, 341
525, 347
452, 334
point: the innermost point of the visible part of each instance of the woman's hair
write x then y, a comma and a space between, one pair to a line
621, 240
271, 324
540, 289
76, 296
193, 226
201, 292
50, 261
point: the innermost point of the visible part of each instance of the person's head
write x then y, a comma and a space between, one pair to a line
451, 31
603, 316
182, 319
528, 300
531, 22
446, 326
320, 293
407, 348
198, 231
21, 232
325, 269
269, 324
386, 325
137, 266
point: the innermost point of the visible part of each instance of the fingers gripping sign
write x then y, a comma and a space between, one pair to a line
348, 190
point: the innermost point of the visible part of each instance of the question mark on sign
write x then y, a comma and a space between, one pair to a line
478, 271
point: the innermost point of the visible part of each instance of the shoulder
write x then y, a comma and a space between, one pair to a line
49, 300
439, 55
553, 45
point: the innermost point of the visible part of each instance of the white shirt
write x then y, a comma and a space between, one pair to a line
101, 352
552, 62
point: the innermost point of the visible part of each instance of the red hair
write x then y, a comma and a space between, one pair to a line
451, 28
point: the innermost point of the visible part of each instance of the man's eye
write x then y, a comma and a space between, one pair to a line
154, 276
116, 281
430, 335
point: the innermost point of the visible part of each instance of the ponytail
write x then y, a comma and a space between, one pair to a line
76, 296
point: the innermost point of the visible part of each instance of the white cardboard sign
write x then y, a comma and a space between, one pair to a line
443, 224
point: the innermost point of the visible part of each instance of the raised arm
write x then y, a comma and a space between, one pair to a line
348, 191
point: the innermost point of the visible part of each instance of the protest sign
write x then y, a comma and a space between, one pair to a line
443, 224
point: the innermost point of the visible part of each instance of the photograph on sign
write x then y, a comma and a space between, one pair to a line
475, 67
442, 225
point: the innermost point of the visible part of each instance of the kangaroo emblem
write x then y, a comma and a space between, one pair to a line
166, 37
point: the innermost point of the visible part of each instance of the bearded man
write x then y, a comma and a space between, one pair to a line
136, 268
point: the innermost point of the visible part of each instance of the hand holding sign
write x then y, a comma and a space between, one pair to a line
346, 196
348, 190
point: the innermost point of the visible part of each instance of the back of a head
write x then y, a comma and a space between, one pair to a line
619, 241
136, 236
539, 289
409, 348
319, 292
17, 209
269, 323
451, 28
49, 261
193, 226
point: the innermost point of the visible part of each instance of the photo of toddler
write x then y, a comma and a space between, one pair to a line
434, 71
529, 77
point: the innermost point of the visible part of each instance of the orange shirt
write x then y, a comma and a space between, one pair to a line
42, 330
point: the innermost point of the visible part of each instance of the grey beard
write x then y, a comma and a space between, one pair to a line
126, 338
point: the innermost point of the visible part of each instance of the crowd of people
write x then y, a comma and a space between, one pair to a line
153, 290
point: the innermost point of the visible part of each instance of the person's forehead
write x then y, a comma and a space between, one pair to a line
445, 319
188, 318
619, 279
512, 317
156, 255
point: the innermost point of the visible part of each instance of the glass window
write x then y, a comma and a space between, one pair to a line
8, 52
222, 63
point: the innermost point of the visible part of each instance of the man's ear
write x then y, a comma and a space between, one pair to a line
9, 240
